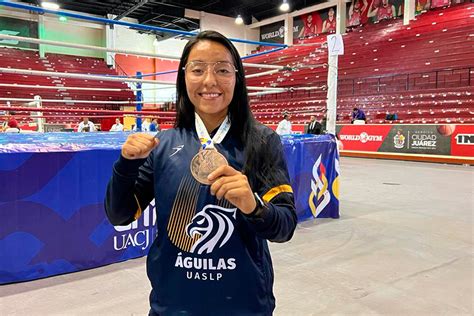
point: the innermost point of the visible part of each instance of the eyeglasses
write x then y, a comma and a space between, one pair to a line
223, 70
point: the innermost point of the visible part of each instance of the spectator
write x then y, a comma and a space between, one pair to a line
86, 126
314, 127
154, 126
358, 115
284, 127
146, 125
10, 124
117, 127
391, 117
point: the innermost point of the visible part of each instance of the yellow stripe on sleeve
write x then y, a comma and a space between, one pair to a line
139, 210
284, 188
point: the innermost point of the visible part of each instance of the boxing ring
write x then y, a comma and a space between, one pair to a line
52, 200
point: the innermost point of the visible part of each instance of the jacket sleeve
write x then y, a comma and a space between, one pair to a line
130, 190
277, 221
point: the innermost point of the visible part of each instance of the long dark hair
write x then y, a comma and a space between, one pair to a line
243, 124
239, 109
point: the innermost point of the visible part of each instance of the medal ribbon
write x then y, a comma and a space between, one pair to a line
206, 141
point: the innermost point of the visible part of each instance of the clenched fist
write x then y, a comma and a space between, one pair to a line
139, 146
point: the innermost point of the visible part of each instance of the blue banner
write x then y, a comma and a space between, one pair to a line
51, 201
313, 165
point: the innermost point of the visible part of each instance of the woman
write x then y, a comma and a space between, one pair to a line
329, 25
309, 28
210, 256
384, 11
355, 12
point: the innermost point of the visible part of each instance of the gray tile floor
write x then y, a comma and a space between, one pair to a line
403, 246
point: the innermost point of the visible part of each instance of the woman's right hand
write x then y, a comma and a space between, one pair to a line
139, 146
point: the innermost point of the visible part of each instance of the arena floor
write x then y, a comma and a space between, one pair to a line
403, 246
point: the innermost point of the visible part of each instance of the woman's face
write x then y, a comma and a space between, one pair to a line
210, 93
309, 19
331, 13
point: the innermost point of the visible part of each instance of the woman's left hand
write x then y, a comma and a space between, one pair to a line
234, 186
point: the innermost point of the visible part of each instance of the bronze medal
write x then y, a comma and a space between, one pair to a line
205, 162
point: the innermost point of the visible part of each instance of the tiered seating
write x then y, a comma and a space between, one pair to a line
429, 106
13, 58
16, 58
386, 60
68, 63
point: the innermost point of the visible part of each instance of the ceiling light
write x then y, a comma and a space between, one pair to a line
285, 7
239, 20
50, 5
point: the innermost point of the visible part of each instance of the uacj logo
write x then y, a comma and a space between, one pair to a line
139, 233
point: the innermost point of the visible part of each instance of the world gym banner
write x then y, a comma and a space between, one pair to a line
431, 139
18, 27
273, 33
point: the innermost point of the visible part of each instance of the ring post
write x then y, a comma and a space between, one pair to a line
39, 120
139, 101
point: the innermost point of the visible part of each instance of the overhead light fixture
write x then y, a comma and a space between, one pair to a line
239, 20
50, 5
285, 7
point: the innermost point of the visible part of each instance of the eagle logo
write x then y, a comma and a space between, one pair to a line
214, 224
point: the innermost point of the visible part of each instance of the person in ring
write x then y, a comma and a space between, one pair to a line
210, 255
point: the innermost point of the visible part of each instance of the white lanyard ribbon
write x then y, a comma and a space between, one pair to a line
206, 141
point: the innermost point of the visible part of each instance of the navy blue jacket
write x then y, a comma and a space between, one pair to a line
358, 115
208, 257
